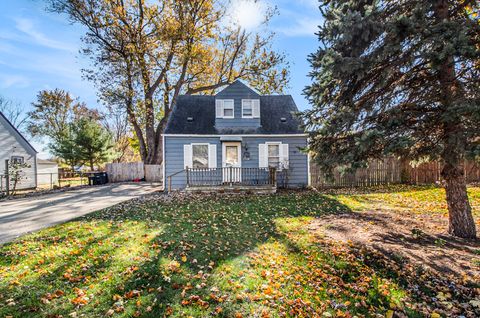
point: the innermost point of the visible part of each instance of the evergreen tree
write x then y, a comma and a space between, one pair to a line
93, 142
84, 142
399, 77
63, 146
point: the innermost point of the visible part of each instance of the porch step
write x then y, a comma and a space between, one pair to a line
265, 189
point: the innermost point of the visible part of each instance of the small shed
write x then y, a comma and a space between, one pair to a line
47, 172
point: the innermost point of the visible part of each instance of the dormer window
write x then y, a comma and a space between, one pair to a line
224, 108
250, 108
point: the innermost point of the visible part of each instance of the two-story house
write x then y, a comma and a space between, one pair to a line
234, 139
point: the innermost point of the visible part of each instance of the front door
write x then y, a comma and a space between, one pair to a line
232, 162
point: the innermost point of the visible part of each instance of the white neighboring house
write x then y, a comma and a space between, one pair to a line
47, 172
14, 147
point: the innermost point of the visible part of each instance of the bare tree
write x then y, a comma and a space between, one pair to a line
13, 112
116, 121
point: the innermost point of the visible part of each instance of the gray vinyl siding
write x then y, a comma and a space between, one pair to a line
174, 157
12, 144
237, 92
298, 166
298, 162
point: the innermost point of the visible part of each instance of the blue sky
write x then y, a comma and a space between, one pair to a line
39, 50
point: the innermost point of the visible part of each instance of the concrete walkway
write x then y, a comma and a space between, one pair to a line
20, 216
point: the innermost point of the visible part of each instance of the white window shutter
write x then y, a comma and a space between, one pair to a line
187, 156
262, 156
284, 160
219, 108
256, 108
212, 156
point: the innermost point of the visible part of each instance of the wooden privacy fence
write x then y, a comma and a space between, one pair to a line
118, 172
389, 171
430, 172
379, 172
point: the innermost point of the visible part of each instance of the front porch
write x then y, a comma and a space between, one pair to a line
230, 179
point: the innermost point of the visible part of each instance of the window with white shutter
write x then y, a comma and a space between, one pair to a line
273, 154
200, 156
250, 108
224, 108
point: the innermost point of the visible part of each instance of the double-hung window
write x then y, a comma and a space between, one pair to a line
247, 108
225, 108
273, 155
228, 109
250, 108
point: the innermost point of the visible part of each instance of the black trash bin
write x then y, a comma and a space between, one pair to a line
93, 179
98, 178
104, 178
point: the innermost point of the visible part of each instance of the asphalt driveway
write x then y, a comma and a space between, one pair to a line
20, 216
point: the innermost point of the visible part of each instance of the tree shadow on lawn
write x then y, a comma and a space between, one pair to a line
404, 237
202, 237
138, 258
437, 269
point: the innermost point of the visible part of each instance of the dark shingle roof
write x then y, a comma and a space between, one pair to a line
202, 109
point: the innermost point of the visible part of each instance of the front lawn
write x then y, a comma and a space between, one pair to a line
227, 256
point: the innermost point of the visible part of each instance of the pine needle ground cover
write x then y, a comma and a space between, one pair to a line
230, 256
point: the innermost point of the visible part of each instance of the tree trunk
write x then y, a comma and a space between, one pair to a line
460, 217
461, 221
91, 164
158, 155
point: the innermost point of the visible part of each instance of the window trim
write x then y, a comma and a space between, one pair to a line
14, 158
251, 107
278, 144
223, 108
208, 152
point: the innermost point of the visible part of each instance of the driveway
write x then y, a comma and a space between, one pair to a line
20, 216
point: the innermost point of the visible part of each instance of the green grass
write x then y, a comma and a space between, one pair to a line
229, 256
418, 199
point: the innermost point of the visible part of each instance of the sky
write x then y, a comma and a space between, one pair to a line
40, 50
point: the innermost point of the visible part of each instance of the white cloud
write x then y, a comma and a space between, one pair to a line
27, 27
248, 14
18, 81
58, 64
302, 26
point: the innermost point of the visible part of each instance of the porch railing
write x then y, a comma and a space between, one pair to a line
230, 176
